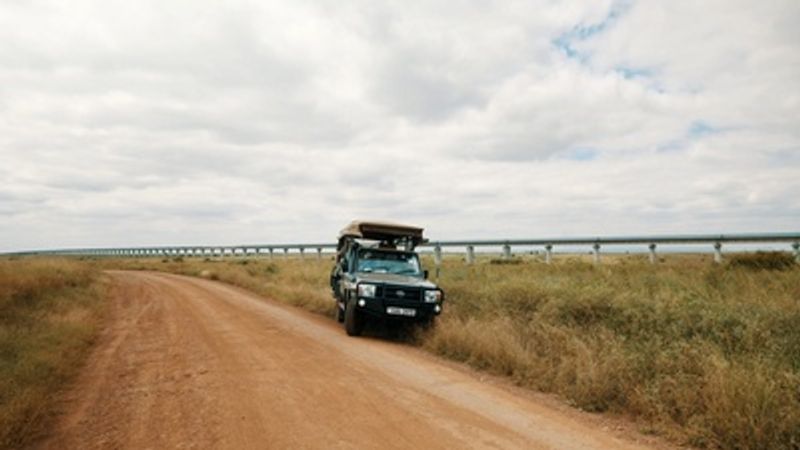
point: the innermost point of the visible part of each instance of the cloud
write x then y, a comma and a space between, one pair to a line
154, 123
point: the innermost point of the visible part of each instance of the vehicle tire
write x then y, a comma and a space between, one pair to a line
428, 324
353, 319
339, 313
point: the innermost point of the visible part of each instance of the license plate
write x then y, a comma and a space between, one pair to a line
408, 312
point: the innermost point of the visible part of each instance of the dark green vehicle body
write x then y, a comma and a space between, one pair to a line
374, 279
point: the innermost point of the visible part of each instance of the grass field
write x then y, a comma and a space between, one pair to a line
705, 355
49, 315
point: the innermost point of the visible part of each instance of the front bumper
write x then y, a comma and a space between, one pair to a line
380, 307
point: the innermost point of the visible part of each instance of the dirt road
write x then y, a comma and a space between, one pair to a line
190, 363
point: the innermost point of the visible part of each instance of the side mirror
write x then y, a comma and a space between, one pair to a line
425, 274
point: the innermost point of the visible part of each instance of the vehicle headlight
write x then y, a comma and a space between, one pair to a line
433, 296
366, 290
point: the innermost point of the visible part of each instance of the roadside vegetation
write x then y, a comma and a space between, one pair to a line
706, 355
50, 310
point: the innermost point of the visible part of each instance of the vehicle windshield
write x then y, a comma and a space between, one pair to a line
398, 263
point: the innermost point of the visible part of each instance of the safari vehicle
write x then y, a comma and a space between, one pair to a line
377, 275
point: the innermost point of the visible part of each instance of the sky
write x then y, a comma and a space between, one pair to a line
217, 123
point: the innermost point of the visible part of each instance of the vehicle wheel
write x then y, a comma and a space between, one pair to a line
353, 319
428, 324
339, 313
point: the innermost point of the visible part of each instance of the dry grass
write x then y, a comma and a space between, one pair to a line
703, 354
49, 313
707, 355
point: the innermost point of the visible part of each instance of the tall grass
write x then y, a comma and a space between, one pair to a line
706, 355
49, 312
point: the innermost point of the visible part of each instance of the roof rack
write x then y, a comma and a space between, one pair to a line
391, 233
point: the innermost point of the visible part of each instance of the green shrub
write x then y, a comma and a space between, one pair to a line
762, 260
505, 262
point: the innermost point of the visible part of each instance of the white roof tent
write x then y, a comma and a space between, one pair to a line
391, 234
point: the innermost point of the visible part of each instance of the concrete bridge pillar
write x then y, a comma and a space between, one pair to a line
506, 251
718, 252
653, 257
470, 254
596, 248
437, 255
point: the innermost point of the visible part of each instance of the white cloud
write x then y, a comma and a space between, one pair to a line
193, 122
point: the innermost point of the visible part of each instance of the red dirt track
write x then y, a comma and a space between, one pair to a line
191, 363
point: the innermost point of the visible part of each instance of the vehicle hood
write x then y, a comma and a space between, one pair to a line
388, 278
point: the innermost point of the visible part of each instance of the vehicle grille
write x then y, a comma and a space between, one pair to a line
408, 294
